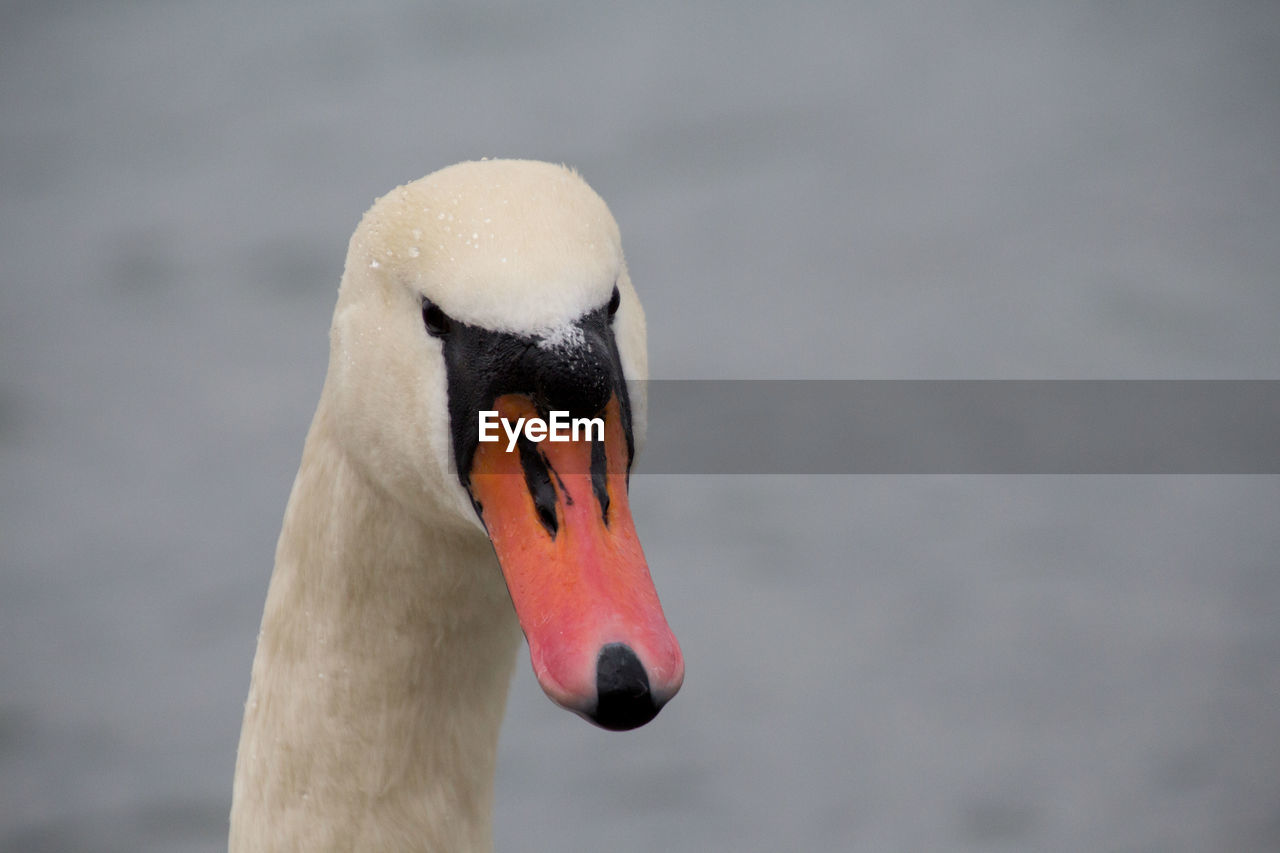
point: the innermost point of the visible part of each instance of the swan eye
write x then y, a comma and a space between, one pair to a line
614, 301
436, 321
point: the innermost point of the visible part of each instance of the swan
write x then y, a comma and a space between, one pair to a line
412, 554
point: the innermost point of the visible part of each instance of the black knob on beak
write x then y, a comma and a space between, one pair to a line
574, 376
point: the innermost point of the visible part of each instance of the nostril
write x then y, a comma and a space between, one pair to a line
622, 687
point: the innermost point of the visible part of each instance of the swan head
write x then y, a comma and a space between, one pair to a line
499, 287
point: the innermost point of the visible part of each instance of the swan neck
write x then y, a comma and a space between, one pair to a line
380, 677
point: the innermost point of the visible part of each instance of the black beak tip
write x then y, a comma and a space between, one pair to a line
624, 701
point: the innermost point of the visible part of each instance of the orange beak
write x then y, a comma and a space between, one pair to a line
558, 516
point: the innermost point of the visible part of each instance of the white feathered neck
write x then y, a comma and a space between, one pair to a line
380, 680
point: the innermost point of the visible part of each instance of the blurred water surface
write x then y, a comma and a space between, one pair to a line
806, 190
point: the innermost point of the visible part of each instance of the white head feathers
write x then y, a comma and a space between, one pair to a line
511, 245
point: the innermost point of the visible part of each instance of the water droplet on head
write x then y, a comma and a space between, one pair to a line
413, 251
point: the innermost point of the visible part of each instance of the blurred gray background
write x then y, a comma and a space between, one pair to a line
880, 190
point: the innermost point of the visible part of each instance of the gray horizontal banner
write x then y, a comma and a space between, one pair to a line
962, 427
